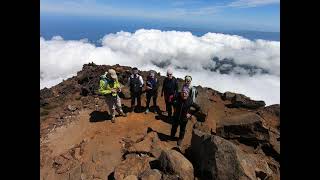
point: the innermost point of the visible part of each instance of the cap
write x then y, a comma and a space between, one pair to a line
152, 73
188, 78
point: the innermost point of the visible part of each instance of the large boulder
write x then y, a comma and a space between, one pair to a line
228, 95
133, 165
218, 158
149, 144
247, 127
202, 127
173, 162
146, 144
242, 101
251, 129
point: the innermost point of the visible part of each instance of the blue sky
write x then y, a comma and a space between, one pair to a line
261, 15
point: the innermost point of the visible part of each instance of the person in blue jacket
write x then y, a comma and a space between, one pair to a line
151, 90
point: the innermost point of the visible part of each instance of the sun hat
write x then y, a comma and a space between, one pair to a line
112, 73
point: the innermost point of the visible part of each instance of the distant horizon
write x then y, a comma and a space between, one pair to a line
95, 28
256, 15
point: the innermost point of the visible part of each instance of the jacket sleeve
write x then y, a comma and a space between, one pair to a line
194, 93
197, 108
163, 83
157, 85
176, 86
141, 81
102, 90
117, 85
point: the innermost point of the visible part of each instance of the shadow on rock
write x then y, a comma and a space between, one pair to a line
139, 109
164, 137
163, 118
97, 116
123, 96
200, 116
155, 164
111, 176
155, 109
125, 108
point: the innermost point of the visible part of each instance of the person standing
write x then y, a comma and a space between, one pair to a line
182, 114
169, 90
109, 87
135, 83
151, 90
193, 93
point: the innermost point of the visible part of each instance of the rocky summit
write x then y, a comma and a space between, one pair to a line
232, 137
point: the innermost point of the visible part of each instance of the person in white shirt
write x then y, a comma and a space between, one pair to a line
135, 83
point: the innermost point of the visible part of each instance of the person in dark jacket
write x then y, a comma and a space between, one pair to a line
169, 90
151, 90
135, 83
182, 113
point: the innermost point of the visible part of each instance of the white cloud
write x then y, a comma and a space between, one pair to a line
147, 49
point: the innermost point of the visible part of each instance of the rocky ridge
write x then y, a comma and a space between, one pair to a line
233, 137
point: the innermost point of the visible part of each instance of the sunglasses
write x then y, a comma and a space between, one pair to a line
169, 74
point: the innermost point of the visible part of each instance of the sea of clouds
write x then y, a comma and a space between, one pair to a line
220, 61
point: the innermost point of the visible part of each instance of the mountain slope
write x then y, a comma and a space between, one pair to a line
80, 142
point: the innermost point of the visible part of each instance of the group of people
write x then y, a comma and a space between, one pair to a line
179, 101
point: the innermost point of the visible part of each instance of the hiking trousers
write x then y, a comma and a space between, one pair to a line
169, 104
136, 96
154, 99
175, 124
114, 104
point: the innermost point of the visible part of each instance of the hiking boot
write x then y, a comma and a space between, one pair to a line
155, 110
147, 110
124, 114
113, 120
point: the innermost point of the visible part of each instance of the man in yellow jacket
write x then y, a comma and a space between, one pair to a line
109, 87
